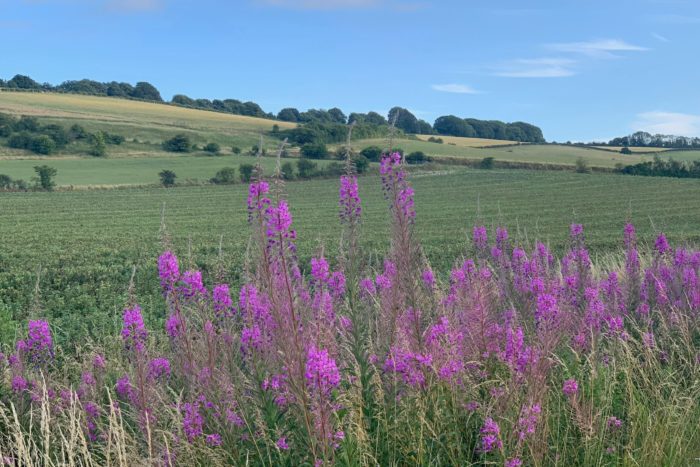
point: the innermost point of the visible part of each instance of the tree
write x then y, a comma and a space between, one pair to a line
212, 148
23, 82
372, 153
178, 143
181, 99
5, 182
626, 150
225, 176
425, 128
314, 151
361, 164
45, 175
167, 178
418, 157
487, 163
58, 134
20, 140
289, 114
146, 91
306, 168
77, 132
27, 123
582, 166
98, 148
235, 150
453, 126
246, 171
42, 144
337, 116
404, 120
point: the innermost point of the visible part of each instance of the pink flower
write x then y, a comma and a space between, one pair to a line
570, 387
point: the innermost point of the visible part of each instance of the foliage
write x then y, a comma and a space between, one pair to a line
582, 166
178, 143
418, 157
98, 147
306, 168
246, 171
225, 176
314, 151
663, 168
42, 144
213, 148
287, 170
45, 175
167, 178
487, 163
625, 150
372, 153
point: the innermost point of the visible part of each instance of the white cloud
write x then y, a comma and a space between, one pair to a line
659, 37
668, 123
598, 48
455, 88
537, 68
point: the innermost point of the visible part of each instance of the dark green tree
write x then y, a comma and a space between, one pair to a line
98, 147
146, 91
314, 151
212, 148
372, 153
306, 168
289, 114
178, 143
167, 178
225, 176
42, 144
246, 171
45, 175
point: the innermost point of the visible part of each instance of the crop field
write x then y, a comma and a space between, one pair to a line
87, 242
640, 149
468, 142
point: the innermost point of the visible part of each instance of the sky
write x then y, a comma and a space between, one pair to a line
582, 70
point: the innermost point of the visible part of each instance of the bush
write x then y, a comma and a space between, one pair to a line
97, 144
236, 150
418, 157
361, 164
20, 140
372, 153
225, 176
42, 144
433, 139
77, 132
287, 170
333, 169
314, 151
246, 171
5, 182
626, 150
582, 166
167, 178
178, 143
212, 148
58, 134
25, 123
306, 168
113, 139
487, 163
45, 175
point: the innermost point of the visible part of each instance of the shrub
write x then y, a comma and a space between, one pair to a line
246, 171
417, 157
42, 144
372, 153
433, 139
333, 169
111, 138
306, 168
287, 170
97, 144
626, 150
20, 140
58, 134
487, 163
236, 150
212, 148
167, 178
225, 176
45, 175
5, 182
361, 164
314, 151
582, 166
26, 123
178, 143
77, 132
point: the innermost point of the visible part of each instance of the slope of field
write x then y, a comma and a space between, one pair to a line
141, 120
85, 243
468, 142
632, 148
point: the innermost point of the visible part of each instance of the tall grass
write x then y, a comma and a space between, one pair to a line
519, 358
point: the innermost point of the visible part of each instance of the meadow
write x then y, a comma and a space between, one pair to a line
526, 353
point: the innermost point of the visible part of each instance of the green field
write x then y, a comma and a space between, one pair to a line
87, 242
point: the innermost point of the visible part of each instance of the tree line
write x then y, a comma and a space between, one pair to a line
663, 168
643, 139
321, 125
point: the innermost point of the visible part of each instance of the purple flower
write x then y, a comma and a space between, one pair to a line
490, 436
630, 235
222, 300
527, 423
661, 244
124, 388
173, 325
257, 202
576, 230
321, 371
213, 439
514, 462
168, 271
192, 284
614, 423
19, 384
282, 443
320, 271
570, 387
192, 421
336, 284
279, 221
367, 287
428, 278
39, 344
134, 332
99, 362
88, 378
480, 237
158, 368
350, 205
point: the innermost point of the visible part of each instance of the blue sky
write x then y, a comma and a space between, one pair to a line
580, 69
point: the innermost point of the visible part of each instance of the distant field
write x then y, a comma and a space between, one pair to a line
142, 120
631, 148
87, 242
82, 172
468, 142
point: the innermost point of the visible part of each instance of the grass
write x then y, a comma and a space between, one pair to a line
111, 172
632, 148
85, 243
468, 142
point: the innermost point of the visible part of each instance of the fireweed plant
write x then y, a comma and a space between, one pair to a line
514, 358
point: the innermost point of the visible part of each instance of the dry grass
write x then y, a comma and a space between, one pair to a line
632, 148
469, 142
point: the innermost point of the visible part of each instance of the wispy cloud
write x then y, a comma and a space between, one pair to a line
659, 37
321, 4
455, 88
133, 5
537, 68
602, 48
668, 123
